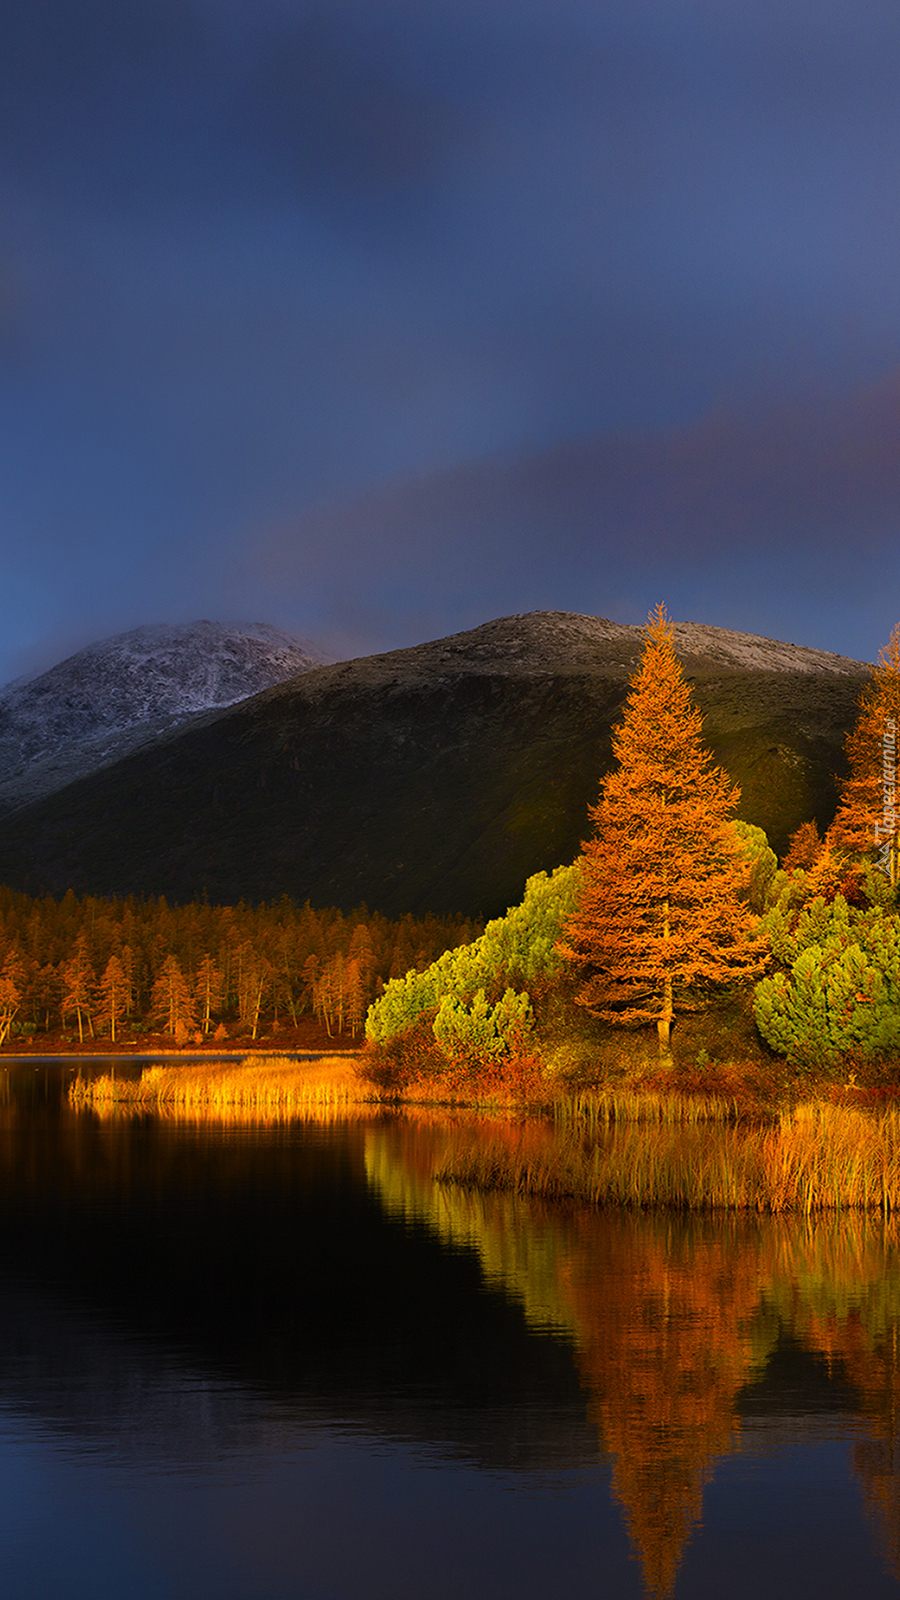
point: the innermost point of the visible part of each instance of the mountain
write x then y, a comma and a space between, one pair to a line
435, 778
110, 698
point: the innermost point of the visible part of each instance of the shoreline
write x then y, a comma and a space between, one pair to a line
171, 1055
640, 1150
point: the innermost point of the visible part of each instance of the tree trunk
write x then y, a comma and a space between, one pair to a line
664, 1020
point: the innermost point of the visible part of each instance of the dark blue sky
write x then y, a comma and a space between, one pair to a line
377, 320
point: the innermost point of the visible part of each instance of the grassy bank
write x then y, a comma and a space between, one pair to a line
817, 1157
269, 1088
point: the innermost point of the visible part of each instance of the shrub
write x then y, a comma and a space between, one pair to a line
517, 949
842, 992
404, 1058
515, 1079
481, 1031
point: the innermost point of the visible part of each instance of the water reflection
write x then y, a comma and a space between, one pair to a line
674, 1321
141, 1257
229, 1346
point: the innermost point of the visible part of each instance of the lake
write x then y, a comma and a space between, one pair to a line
281, 1363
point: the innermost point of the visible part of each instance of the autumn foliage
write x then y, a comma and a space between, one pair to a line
859, 825
803, 848
660, 916
118, 969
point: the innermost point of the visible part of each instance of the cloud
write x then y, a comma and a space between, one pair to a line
805, 498
264, 253
329, 111
149, 103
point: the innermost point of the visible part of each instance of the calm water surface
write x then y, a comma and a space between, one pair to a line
251, 1364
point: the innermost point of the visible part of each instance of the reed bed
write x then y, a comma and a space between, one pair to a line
602, 1108
272, 1088
815, 1158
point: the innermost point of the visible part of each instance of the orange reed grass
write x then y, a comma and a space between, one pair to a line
817, 1157
267, 1088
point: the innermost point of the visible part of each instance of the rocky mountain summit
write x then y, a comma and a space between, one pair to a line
114, 696
566, 642
433, 778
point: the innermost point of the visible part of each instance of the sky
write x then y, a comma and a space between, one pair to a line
376, 319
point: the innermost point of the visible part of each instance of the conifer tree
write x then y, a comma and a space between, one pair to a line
113, 994
173, 1004
312, 968
254, 979
859, 827
11, 977
354, 995
208, 991
78, 987
47, 992
126, 957
330, 994
659, 917
804, 846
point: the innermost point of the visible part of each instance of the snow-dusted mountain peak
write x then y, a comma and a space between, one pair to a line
101, 702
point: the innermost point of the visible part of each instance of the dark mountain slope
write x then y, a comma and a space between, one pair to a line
437, 777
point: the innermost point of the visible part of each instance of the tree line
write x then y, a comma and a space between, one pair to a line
105, 967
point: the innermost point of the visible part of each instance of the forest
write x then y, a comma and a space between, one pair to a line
84, 968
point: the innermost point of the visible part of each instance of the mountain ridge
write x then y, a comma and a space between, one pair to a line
432, 778
567, 640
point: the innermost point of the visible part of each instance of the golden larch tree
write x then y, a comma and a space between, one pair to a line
207, 991
78, 987
11, 986
659, 916
113, 994
804, 847
866, 820
173, 1003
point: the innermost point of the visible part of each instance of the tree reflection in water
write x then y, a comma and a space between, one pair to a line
673, 1320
